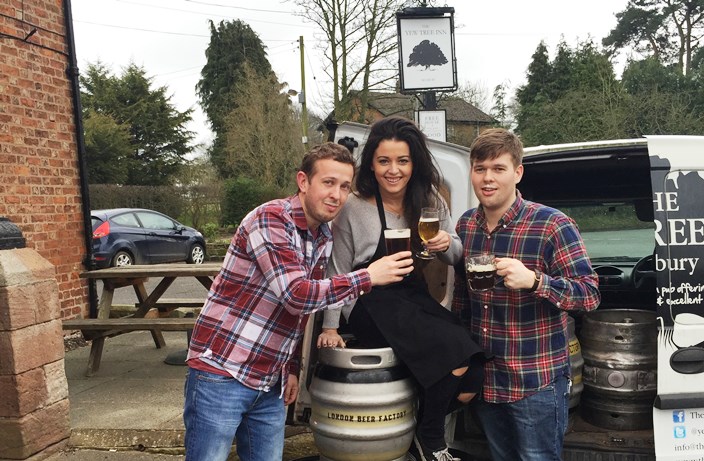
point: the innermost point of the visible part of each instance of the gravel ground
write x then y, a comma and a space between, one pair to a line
74, 341
296, 447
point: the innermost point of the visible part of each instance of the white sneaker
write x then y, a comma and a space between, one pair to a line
440, 455
443, 455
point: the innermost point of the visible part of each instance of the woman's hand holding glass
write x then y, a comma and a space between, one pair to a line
440, 243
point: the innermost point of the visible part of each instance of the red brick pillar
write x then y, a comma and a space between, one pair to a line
34, 406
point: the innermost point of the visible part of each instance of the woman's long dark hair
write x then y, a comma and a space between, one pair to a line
424, 184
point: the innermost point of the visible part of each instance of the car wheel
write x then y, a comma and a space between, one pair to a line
122, 258
197, 254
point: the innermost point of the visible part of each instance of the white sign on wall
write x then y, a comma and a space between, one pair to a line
433, 124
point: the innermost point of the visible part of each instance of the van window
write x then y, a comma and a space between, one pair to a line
612, 231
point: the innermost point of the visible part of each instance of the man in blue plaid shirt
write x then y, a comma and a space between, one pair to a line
544, 273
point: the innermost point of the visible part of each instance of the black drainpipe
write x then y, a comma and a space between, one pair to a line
72, 73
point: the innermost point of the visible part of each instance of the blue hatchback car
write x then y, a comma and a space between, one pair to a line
125, 236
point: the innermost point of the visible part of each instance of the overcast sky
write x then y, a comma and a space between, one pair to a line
494, 40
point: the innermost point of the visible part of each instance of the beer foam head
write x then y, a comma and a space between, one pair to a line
397, 233
480, 267
429, 219
480, 263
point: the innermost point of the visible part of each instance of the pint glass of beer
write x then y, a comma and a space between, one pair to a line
481, 272
397, 240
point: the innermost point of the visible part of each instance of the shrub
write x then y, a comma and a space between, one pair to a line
210, 230
242, 195
165, 199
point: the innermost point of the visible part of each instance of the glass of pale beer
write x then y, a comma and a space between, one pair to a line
481, 272
428, 227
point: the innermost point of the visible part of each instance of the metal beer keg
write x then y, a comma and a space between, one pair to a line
363, 405
619, 347
576, 365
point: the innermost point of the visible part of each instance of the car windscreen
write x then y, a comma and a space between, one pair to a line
607, 192
612, 231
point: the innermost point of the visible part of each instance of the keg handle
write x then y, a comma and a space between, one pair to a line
365, 360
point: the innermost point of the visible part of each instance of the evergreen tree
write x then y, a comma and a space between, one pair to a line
668, 30
577, 96
560, 76
232, 45
538, 75
662, 101
573, 98
158, 137
500, 110
108, 149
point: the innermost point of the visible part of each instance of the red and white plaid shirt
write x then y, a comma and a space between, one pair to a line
271, 279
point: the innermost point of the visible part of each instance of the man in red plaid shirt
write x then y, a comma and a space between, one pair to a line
544, 273
243, 356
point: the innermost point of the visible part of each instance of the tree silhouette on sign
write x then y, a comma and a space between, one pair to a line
426, 54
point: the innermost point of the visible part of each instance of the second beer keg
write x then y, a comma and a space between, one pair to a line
619, 347
576, 366
363, 405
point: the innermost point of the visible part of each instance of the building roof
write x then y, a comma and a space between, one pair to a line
456, 110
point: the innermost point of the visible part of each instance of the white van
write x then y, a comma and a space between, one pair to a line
639, 205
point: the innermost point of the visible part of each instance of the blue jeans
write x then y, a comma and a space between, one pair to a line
530, 429
219, 409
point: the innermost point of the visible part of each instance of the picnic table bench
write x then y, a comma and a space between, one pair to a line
135, 276
129, 324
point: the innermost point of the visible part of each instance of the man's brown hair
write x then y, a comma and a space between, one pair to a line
493, 142
326, 150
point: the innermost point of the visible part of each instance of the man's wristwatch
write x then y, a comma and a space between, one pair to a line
536, 283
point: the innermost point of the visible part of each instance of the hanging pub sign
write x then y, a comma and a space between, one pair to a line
426, 46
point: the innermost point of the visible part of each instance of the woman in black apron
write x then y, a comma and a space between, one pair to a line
396, 178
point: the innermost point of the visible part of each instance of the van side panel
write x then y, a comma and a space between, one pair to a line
677, 174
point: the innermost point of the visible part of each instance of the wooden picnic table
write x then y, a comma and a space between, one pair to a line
135, 276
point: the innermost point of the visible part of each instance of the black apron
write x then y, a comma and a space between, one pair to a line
429, 339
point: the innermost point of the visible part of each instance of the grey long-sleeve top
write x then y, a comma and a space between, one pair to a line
356, 232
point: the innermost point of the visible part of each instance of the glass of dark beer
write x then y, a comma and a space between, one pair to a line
397, 240
481, 272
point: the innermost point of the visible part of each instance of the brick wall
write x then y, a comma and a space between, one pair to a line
39, 175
